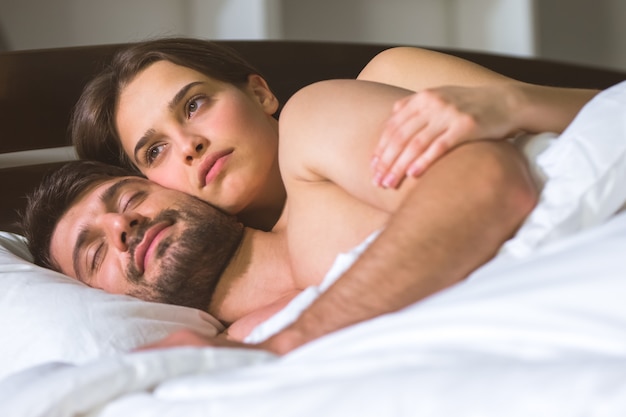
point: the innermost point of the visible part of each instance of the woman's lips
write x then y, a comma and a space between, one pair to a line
212, 166
148, 245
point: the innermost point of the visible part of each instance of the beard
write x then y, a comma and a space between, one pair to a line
191, 262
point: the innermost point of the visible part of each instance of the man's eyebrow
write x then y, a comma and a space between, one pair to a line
110, 195
171, 106
80, 242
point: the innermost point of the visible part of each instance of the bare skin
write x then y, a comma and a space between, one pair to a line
456, 101
495, 194
172, 141
488, 205
207, 138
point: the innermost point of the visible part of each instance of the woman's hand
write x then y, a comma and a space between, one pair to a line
426, 125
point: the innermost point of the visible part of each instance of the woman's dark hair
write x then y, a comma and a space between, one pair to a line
56, 194
92, 127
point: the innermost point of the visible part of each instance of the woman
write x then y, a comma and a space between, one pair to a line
194, 116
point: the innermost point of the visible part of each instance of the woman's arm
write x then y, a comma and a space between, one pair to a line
417, 69
456, 101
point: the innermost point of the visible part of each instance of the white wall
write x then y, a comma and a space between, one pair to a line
491, 25
591, 32
585, 31
389, 21
34, 24
234, 19
502, 26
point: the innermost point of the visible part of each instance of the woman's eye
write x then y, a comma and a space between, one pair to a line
153, 153
193, 105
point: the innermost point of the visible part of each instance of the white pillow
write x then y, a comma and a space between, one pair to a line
48, 317
586, 172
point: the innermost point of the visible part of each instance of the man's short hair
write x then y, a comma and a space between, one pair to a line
55, 195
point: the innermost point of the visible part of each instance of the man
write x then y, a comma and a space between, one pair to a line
435, 229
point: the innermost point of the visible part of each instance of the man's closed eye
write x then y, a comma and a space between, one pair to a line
98, 257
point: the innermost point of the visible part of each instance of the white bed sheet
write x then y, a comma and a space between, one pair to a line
541, 336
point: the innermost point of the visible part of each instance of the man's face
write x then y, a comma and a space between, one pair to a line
131, 236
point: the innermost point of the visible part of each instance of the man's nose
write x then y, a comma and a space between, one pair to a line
120, 227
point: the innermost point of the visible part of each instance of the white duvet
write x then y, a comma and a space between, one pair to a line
540, 336
539, 331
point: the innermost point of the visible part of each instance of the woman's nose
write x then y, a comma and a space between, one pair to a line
194, 147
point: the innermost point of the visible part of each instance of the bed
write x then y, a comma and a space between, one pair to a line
540, 330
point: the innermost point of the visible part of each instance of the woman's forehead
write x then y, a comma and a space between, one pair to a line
163, 70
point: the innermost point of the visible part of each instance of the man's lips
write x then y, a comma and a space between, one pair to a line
211, 166
147, 246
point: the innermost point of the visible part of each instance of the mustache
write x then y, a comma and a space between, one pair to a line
170, 216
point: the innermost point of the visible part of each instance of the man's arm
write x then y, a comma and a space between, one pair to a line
443, 225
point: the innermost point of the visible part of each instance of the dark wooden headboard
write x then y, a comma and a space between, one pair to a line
38, 89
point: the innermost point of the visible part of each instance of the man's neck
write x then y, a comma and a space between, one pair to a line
258, 276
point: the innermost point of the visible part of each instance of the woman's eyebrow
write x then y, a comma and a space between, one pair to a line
141, 143
181, 94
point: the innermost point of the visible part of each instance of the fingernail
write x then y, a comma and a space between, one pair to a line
389, 181
415, 171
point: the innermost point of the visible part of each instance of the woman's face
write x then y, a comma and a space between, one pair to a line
189, 132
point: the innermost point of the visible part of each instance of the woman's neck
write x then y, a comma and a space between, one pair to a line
269, 203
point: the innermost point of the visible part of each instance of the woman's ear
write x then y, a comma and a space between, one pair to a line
263, 94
